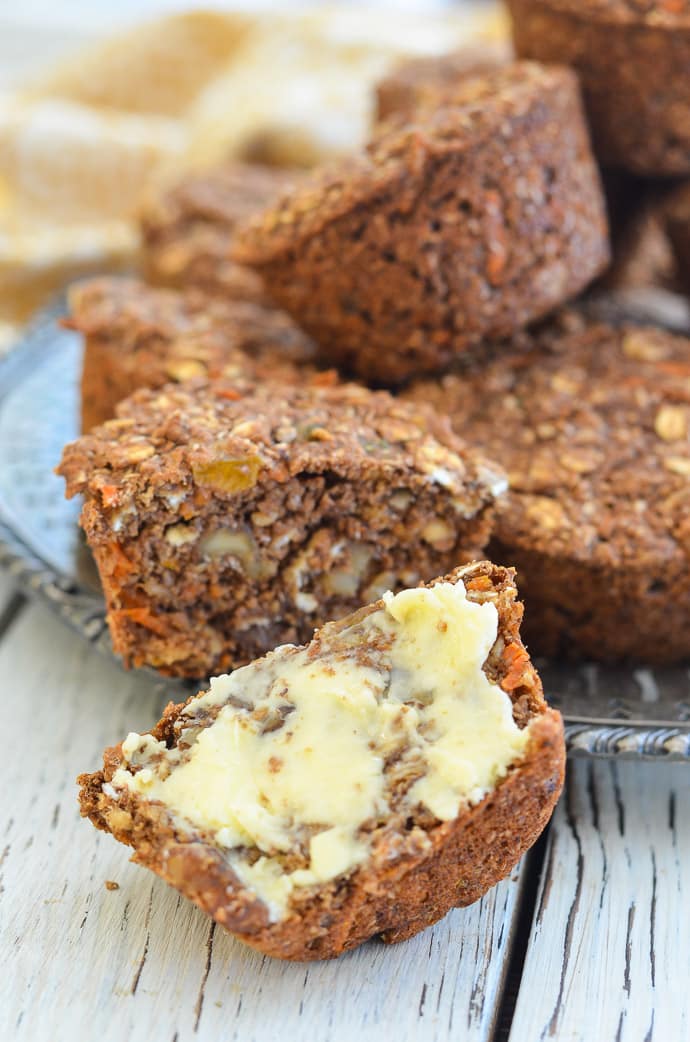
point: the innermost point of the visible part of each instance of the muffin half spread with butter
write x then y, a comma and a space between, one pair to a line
319, 795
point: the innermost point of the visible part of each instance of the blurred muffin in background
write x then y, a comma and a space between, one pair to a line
82, 145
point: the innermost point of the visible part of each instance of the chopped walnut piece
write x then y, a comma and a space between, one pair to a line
185, 368
671, 422
678, 465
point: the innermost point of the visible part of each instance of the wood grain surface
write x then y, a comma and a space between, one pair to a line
141, 963
593, 950
608, 954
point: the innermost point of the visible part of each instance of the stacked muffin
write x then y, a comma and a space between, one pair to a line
475, 211
632, 58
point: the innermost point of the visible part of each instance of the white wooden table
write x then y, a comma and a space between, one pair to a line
588, 940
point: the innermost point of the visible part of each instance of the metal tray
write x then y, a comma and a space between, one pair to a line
639, 713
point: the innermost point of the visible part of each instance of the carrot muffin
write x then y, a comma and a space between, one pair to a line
225, 520
396, 767
187, 232
408, 84
139, 336
632, 57
592, 424
467, 223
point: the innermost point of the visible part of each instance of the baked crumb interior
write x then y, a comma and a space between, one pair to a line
301, 766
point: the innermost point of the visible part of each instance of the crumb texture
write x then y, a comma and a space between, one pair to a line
432, 819
222, 525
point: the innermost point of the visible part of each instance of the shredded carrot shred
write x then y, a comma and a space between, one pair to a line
482, 582
122, 566
144, 617
517, 660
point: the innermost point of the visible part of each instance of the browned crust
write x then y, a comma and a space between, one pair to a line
141, 336
644, 14
578, 609
632, 61
478, 217
393, 896
591, 424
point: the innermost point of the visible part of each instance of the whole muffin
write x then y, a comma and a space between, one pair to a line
481, 215
632, 57
591, 422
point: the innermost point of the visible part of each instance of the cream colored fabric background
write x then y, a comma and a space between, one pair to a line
99, 105
33, 34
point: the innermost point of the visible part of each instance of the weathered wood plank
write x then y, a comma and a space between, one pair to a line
608, 956
141, 963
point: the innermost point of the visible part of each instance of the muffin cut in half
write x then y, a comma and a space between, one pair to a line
136, 335
396, 767
225, 520
478, 215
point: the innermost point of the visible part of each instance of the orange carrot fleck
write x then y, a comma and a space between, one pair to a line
121, 564
144, 617
482, 582
109, 495
516, 659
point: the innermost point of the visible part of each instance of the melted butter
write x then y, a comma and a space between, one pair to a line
305, 738
317, 768
331, 853
470, 737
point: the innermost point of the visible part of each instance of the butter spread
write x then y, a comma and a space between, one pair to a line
295, 757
